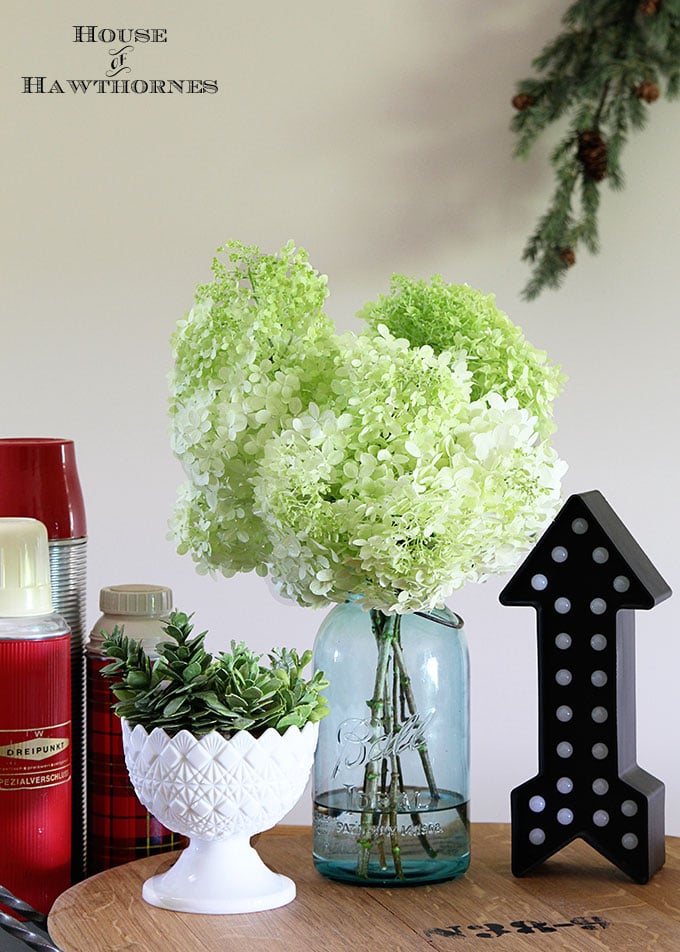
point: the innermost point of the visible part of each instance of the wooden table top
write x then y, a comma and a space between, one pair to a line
576, 901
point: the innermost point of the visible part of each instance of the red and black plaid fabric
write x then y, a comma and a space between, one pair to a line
119, 829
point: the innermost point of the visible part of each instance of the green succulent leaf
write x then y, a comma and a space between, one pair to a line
173, 706
138, 679
192, 671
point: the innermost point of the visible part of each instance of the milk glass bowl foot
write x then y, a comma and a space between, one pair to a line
220, 876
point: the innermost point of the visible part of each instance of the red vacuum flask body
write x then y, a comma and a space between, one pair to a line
35, 721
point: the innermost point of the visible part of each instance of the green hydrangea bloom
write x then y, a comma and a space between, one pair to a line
459, 318
394, 465
250, 353
402, 488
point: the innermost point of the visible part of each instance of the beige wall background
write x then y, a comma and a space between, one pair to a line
376, 135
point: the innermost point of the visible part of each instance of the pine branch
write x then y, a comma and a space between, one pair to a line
602, 72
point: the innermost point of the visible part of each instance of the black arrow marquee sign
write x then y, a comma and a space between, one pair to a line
585, 578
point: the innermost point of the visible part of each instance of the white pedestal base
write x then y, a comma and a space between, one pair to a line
219, 877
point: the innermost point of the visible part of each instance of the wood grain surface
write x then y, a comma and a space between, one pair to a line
576, 901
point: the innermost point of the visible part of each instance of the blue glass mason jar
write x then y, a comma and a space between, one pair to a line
391, 771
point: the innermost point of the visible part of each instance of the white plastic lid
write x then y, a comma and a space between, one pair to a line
25, 587
143, 600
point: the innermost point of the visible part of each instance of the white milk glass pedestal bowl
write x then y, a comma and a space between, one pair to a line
219, 793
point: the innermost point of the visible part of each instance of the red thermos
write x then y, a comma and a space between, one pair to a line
39, 480
35, 721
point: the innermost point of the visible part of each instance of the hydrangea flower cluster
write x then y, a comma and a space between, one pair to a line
393, 465
250, 355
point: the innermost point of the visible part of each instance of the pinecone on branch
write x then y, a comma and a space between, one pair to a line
649, 7
648, 91
592, 154
568, 257
523, 101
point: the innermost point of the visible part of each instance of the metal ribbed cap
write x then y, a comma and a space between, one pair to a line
145, 600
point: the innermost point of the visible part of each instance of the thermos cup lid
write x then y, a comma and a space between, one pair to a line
24, 569
39, 479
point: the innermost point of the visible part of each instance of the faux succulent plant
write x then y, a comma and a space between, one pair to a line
185, 687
